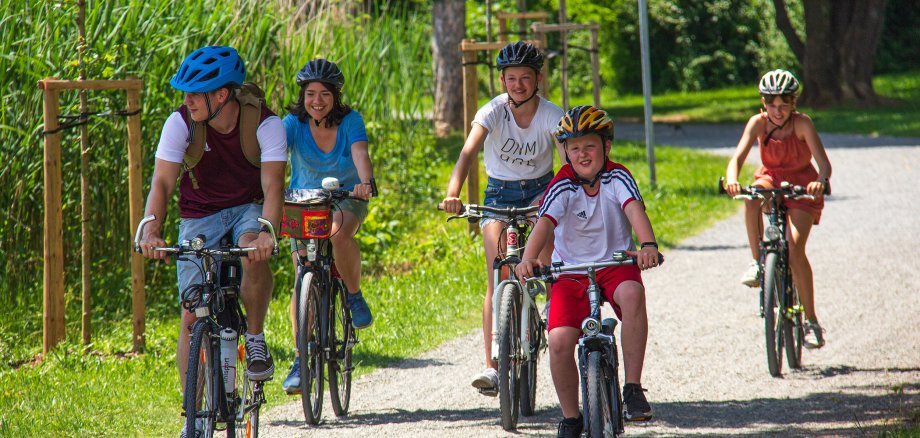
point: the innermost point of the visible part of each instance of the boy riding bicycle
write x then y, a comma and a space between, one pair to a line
591, 208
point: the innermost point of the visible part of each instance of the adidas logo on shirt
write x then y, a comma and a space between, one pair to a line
582, 214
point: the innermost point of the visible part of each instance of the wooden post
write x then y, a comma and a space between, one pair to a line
470, 106
595, 69
136, 210
53, 321
564, 64
85, 248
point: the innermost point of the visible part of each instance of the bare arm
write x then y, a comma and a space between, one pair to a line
646, 257
468, 154
539, 237
752, 130
272, 176
805, 128
165, 174
362, 159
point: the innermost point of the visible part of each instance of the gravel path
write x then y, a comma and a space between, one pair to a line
705, 366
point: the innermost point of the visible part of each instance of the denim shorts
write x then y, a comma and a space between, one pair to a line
518, 194
238, 220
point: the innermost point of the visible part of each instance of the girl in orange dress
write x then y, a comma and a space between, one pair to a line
788, 143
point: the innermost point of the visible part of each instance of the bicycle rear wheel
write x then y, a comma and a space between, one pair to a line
341, 340
793, 330
310, 323
509, 354
598, 406
203, 382
251, 399
773, 314
529, 367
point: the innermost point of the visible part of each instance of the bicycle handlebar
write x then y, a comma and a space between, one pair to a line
620, 258
753, 192
187, 247
476, 211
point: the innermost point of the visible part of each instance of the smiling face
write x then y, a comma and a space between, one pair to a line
318, 100
778, 108
587, 153
520, 82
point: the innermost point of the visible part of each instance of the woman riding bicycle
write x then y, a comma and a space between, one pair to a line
516, 129
788, 142
590, 209
328, 138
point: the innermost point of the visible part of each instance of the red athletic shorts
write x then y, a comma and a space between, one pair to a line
569, 303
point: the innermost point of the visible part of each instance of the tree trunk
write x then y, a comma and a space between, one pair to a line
838, 57
449, 22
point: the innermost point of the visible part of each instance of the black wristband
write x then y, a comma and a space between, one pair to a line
265, 229
652, 244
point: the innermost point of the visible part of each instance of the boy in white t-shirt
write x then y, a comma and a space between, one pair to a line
591, 207
515, 130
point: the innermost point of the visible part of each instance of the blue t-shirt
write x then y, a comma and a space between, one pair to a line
309, 165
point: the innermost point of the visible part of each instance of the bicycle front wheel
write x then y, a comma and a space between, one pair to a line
529, 367
203, 382
341, 340
251, 399
773, 313
598, 406
310, 320
509, 354
793, 330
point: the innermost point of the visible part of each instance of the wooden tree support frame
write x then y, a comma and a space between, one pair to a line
540, 30
540, 18
470, 49
53, 322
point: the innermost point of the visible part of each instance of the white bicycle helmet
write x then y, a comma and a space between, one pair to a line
779, 82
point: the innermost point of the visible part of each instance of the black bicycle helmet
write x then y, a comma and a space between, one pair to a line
519, 54
321, 70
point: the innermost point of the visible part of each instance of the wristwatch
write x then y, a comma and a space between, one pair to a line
652, 244
265, 229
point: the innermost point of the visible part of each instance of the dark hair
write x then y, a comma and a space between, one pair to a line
787, 98
335, 116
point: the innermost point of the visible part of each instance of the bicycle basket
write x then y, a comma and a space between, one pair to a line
302, 221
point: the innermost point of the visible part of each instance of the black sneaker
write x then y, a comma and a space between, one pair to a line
637, 407
571, 427
259, 364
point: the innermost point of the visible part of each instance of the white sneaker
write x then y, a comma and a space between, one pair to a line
487, 382
751, 277
814, 335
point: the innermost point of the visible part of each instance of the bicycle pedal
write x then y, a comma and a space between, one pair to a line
489, 392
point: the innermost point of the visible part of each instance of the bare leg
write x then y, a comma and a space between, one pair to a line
256, 289
754, 226
562, 365
630, 296
345, 249
182, 347
490, 236
800, 223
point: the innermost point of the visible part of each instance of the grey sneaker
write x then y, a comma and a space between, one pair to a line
259, 363
751, 277
199, 430
487, 382
814, 335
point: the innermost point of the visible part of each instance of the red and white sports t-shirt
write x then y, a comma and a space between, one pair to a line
590, 228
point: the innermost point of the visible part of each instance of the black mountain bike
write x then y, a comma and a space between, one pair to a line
218, 393
325, 336
779, 301
597, 351
515, 317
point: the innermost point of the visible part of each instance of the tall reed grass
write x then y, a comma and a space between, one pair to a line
385, 58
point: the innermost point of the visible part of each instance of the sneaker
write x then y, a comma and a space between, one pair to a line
814, 335
291, 384
199, 430
360, 314
259, 363
751, 277
571, 427
487, 382
637, 407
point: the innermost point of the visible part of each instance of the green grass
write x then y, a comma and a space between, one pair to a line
736, 104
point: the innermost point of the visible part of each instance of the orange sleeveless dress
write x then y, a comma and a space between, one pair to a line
789, 159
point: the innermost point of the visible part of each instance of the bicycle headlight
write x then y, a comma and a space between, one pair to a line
590, 327
196, 244
771, 233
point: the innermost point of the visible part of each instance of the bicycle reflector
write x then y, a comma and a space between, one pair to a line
590, 327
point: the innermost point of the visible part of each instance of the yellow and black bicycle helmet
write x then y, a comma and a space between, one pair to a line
584, 120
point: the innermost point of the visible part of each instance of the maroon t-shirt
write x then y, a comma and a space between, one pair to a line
225, 177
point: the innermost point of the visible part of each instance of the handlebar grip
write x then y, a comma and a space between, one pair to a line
722, 185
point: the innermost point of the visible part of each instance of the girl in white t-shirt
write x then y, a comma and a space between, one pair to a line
516, 131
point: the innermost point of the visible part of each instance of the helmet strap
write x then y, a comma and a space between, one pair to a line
584, 181
517, 104
211, 116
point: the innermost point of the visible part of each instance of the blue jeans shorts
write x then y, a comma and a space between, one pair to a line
518, 194
239, 220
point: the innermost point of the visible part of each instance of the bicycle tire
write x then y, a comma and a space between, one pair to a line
509, 348
341, 340
310, 322
529, 367
772, 313
203, 377
247, 426
793, 330
598, 406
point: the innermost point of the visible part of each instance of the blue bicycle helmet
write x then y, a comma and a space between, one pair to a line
208, 69
321, 70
